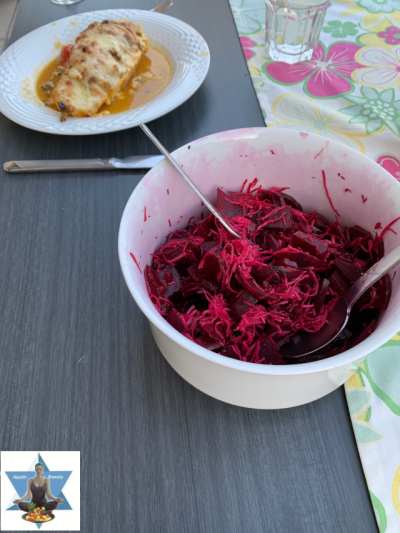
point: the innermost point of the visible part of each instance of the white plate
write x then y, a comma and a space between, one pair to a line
22, 61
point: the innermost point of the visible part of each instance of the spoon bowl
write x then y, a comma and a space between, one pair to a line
309, 343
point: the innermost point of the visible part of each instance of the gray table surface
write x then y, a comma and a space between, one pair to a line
80, 371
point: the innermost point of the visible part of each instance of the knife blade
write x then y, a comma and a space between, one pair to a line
138, 162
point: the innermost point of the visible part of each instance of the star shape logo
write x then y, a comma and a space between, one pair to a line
57, 480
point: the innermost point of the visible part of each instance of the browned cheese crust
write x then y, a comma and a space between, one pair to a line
103, 59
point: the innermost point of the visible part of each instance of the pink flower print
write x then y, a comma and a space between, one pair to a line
327, 73
391, 164
391, 35
247, 45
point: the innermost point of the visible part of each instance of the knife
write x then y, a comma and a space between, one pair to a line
138, 162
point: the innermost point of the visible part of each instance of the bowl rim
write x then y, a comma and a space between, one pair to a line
342, 359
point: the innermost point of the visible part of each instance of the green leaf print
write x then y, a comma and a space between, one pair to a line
395, 341
379, 6
337, 28
357, 400
382, 370
364, 432
249, 16
359, 371
380, 512
374, 109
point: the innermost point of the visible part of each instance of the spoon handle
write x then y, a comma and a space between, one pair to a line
162, 7
179, 169
372, 275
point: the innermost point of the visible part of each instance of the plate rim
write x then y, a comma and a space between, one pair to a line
110, 129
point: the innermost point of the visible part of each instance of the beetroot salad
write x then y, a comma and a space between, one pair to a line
245, 298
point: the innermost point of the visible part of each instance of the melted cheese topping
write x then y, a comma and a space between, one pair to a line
152, 75
103, 59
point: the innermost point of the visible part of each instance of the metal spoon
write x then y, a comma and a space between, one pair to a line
162, 7
188, 180
310, 343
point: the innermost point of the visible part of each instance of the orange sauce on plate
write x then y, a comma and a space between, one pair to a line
153, 74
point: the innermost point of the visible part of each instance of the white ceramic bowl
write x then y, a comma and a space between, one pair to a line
277, 157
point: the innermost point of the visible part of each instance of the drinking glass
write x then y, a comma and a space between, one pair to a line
65, 2
292, 28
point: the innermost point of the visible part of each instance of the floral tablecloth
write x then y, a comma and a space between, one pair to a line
349, 90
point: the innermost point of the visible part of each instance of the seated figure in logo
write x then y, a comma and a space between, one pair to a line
38, 491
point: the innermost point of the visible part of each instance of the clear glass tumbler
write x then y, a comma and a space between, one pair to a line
65, 2
292, 28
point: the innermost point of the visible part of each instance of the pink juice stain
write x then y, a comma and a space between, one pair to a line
134, 259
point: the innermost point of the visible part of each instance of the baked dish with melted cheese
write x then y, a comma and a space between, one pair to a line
111, 67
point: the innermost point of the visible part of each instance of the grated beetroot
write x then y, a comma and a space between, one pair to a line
245, 298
